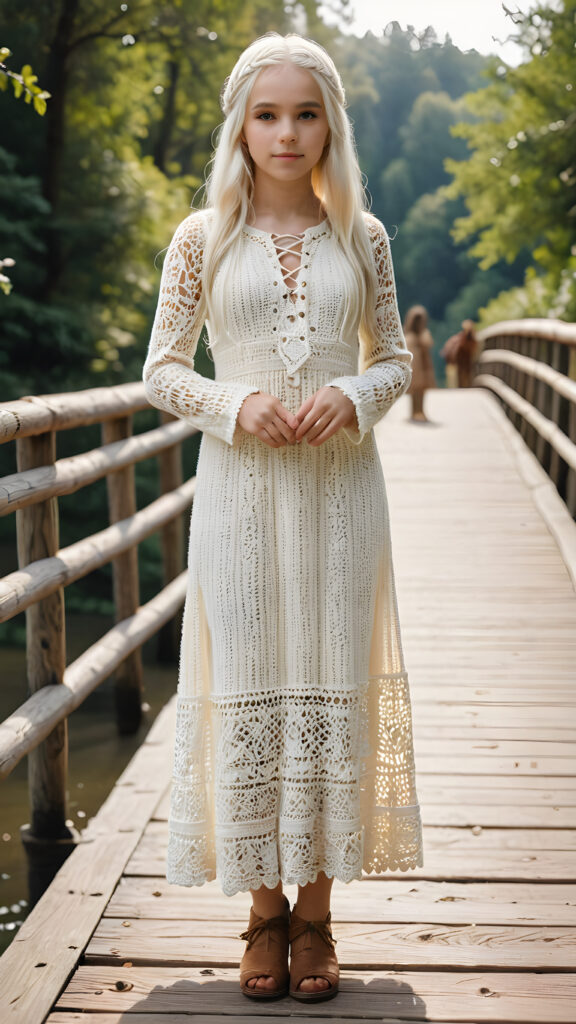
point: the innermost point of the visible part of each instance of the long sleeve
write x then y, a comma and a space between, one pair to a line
171, 381
387, 371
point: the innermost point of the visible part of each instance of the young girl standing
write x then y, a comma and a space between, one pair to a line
294, 756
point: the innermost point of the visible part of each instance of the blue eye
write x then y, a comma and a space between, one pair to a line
308, 114
265, 116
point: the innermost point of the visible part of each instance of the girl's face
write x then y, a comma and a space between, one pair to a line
286, 127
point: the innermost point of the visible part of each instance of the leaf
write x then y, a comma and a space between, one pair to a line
40, 105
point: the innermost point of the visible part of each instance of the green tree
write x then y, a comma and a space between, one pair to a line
519, 183
118, 160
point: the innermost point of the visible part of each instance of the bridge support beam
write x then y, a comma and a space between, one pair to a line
47, 839
122, 504
172, 540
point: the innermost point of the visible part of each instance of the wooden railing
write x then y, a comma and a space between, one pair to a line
39, 728
531, 366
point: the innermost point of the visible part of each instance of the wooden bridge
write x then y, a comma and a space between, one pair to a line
485, 555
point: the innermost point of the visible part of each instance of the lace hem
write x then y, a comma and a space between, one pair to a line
402, 853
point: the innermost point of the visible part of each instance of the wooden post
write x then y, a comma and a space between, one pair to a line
172, 541
571, 481
528, 433
47, 839
559, 414
121, 504
542, 403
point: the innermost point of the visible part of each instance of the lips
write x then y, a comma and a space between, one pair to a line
287, 156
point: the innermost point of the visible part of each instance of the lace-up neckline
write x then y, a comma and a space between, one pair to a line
285, 244
289, 245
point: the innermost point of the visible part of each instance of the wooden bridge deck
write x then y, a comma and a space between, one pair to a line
486, 930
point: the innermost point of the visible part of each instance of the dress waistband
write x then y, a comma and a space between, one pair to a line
245, 359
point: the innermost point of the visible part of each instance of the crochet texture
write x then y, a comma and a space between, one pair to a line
294, 749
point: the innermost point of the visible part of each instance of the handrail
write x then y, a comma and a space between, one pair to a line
37, 414
34, 720
561, 384
530, 365
545, 427
66, 476
535, 327
39, 726
24, 587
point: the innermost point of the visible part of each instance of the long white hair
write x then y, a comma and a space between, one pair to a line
336, 179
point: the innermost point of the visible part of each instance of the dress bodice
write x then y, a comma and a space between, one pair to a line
272, 325
262, 328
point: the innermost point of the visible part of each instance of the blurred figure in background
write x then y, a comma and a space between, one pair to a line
460, 351
420, 342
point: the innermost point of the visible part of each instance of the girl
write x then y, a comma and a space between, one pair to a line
420, 343
294, 757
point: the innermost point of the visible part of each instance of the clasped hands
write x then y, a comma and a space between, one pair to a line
317, 419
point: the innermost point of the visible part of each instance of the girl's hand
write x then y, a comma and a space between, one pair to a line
265, 417
321, 415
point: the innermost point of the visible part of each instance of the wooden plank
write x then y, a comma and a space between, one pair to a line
538, 793
507, 997
371, 900
444, 807
474, 692
558, 751
361, 946
510, 793
440, 838
508, 765
190, 1018
486, 815
37, 963
430, 730
505, 865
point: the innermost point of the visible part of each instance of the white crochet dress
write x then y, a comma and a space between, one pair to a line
294, 749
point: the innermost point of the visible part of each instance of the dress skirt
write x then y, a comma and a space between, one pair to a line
294, 750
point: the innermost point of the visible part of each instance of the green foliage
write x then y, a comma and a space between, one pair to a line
24, 84
519, 183
405, 91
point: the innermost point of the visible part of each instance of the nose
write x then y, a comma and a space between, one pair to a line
287, 131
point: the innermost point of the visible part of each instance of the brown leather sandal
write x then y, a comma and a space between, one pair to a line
266, 954
312, 956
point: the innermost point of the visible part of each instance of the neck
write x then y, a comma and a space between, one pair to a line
285, 204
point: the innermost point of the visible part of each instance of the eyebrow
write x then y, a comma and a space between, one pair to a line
311, 103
